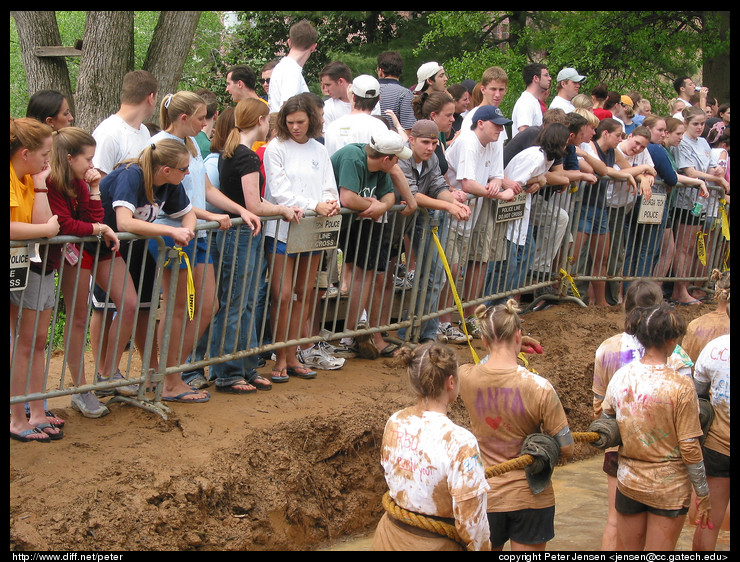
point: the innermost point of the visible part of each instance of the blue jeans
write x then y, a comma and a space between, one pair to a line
511, 273
436, 278
243, 267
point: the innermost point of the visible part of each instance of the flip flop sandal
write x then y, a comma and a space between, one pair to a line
181, 397
231, 389
279, 377
260, 383
296, 372
23, 436
52, 436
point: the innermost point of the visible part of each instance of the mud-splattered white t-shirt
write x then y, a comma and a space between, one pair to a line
505, 406
620, 350
713, 367
656, 408
704, 329
432, 465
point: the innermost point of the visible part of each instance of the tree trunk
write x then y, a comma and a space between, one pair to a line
171, 44
35, 29
107, 55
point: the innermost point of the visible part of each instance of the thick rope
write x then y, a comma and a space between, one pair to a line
447, 530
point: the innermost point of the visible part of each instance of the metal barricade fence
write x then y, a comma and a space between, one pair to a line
411, 273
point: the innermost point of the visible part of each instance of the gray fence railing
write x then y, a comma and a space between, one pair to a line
541, 244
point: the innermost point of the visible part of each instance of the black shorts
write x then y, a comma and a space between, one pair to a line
628, 506
362, 241
525, 526
139, 258
716, 464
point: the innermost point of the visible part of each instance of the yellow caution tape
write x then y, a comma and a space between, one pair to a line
446, 265
573, 288
191, 283
701, 251
725, 219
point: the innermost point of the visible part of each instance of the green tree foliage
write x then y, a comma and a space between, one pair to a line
629, 50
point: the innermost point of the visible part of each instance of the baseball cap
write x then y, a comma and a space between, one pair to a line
626, 100
426, 70
425, 128
570, 74
490, 113
365, 86
390, 143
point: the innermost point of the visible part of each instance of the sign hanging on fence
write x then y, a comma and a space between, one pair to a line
511, 210
651, 212
19, 263
314, 233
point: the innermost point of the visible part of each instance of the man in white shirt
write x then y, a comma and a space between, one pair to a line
119, 137
359, 125
529, 108
336, 78
476, 166
287, 76
568, 86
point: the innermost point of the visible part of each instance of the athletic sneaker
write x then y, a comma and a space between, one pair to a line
365, 344
127, 390
89, 406
346, 349
472, 325
447, 333
318, 356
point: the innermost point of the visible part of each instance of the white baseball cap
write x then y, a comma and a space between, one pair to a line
390, 142
426, 70
570, 74
365, 86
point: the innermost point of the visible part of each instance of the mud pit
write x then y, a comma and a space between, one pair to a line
289, 469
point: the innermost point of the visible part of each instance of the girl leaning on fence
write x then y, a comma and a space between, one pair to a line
74, 196
30, 218
133, 195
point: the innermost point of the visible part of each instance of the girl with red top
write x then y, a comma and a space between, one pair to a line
74, 196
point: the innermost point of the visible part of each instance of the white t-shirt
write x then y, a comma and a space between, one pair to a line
351, 128
618, 193
527, 112
528, 163
558, 102
467, 158
432, 464
117, 141
334, 109
713, 367
299, 175
286, 81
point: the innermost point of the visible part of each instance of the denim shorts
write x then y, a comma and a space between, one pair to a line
593, 220
196, 250
275, 246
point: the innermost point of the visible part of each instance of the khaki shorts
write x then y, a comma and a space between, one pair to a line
485, 242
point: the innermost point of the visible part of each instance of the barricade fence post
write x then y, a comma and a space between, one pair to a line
552, 244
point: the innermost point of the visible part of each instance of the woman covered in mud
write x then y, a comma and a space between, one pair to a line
614, 353
432, 466
507, 404
660, 456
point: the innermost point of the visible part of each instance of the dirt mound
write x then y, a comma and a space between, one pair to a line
289, 469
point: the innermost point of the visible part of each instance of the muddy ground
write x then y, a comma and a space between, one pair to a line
289, 469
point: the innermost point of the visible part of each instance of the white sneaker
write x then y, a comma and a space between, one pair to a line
88, 405
318, 356
127, 390
472, 325
447, 333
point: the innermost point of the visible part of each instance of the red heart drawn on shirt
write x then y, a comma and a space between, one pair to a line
494, 423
